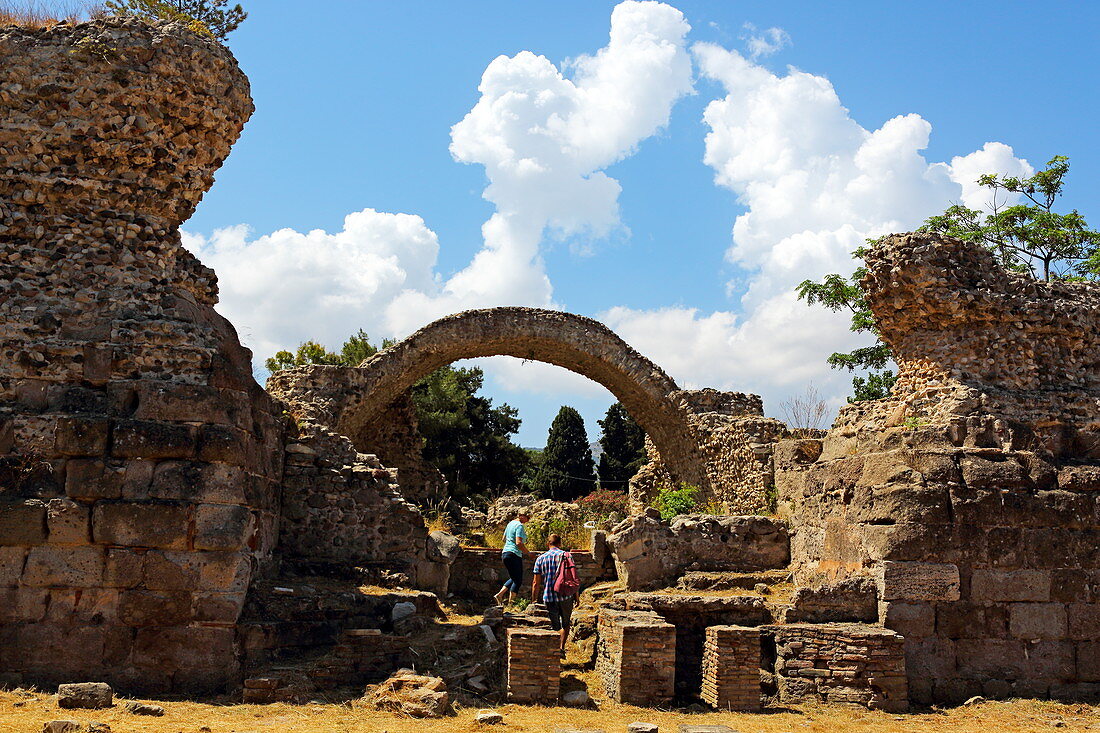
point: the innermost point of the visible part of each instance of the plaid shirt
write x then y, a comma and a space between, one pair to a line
547, 566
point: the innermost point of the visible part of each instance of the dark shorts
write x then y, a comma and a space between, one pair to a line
560, 613
514, 565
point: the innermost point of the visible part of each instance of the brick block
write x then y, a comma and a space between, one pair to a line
731, 668
139, 524
533, 673
22, 522
991, 586
67, 522
222, 527
1037, 620
51, 566
918, 581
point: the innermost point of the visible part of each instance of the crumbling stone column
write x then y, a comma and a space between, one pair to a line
731, 668
534, 667
636, 657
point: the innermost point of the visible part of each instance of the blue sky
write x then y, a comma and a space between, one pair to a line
355, 107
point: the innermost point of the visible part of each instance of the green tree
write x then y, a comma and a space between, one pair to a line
465, 436
623, 443
1030, 236
567, 470
209, 17
1027, 237
838, 293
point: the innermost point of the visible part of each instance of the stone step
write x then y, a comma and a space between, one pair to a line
721, 580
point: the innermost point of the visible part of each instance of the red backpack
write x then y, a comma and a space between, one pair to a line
567, 584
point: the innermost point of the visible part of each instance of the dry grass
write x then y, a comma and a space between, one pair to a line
36, 14
25, 711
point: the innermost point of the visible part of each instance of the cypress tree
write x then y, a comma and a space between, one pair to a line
623, 444
567, 471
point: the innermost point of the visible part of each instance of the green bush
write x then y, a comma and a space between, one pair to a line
672, 502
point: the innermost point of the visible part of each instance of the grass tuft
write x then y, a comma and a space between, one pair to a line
37, 14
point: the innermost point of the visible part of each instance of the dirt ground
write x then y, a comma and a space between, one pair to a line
24, 712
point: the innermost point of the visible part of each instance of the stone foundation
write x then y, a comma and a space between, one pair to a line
534, 666
848, 663
636, 657
731, 668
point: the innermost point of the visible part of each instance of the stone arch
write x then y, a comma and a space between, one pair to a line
580, 344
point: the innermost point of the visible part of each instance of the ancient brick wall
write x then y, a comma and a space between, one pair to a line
138, 458
533, 674
731, 668
636, 656
848, 663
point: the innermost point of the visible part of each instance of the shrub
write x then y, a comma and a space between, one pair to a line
671, 502
602, 503
205, 17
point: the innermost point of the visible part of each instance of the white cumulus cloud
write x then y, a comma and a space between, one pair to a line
766, 42
815, 185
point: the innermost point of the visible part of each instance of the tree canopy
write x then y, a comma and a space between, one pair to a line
1027, 237
567, 470
465, 436
210, 17
623, 443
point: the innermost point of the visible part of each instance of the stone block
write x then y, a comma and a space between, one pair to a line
222, 608
89, 478
1037, 620
51, 566
67, 522
224, 444
181, 403
224, 571
1051, 660
1084, 621
911, 620
993, 658
22, 522
918, 581
992, 586
81, 606
968, 620
124, 568
154, 608
141, 524
149, 439
81, 436
61, 726
1088, 661
930, 657
193, 648
86, 695
23, 605
222, 527
171, 570
176, 481
11, 565
993, 472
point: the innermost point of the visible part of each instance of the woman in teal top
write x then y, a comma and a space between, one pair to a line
515, 547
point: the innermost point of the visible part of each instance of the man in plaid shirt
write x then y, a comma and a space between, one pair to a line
546, 571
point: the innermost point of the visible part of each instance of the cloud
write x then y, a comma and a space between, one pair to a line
544, 139
285, 287
766, 42
815, 185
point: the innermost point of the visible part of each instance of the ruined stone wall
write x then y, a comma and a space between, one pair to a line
394, 437
635, 657
733, 441
138, 458
970, 496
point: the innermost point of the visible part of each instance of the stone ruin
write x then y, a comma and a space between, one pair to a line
166, 525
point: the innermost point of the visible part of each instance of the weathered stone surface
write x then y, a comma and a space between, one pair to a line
64, 566
222, 527
411, 694
918, 581
67, 522
61, 726
141, 524
1010, 585
650, 552
22, 522
90, 695
143, 708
